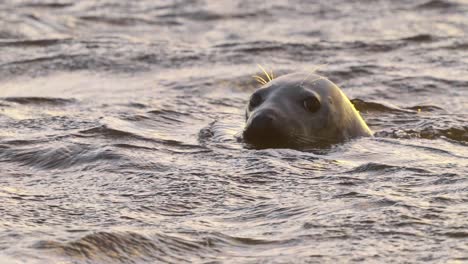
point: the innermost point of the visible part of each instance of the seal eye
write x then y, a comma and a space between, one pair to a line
255, 101
312, 104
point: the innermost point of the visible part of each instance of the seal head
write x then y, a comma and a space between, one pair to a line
301, 110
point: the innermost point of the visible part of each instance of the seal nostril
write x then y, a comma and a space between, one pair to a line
261, 127
263, 122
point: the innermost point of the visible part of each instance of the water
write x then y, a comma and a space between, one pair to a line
119, 125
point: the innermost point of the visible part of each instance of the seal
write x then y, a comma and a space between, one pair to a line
301, 110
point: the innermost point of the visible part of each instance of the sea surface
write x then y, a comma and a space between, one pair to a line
120, 125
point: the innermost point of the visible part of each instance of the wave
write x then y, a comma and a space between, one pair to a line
54, 5
39, 100
363, 106
425, 83
34, 43
205, 15
121, 21
108, 132
457, 45
102, 247
56, 158
420, 38
306, 48
437, 4
131, 247
383, 168
407, 122
457, 134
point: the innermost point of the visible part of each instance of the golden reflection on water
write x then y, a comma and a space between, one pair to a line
15, 113
27, 113
6, 191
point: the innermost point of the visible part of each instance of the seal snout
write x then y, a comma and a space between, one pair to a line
263, 129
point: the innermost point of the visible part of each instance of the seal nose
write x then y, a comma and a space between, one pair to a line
262, 128
260, 124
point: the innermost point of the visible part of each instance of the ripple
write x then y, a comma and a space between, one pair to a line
57, 158
372, 167
363, 106
168, 116
39, 101
272, 212
457, 45
56, 59
425, 84
104, 246
120, 21
458, 134
33, 43
222, 134
205, 15
307, 48
56, 5
132, 247
129, 247
425, 108
459, 234
437, 4
108, 132
420, 38
351, 72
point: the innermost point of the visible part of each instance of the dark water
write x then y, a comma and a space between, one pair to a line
119, 124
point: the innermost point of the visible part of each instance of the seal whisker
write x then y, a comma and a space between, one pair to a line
317, 79
313, 71
314, 80
264, 71
318, 67
260, 79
